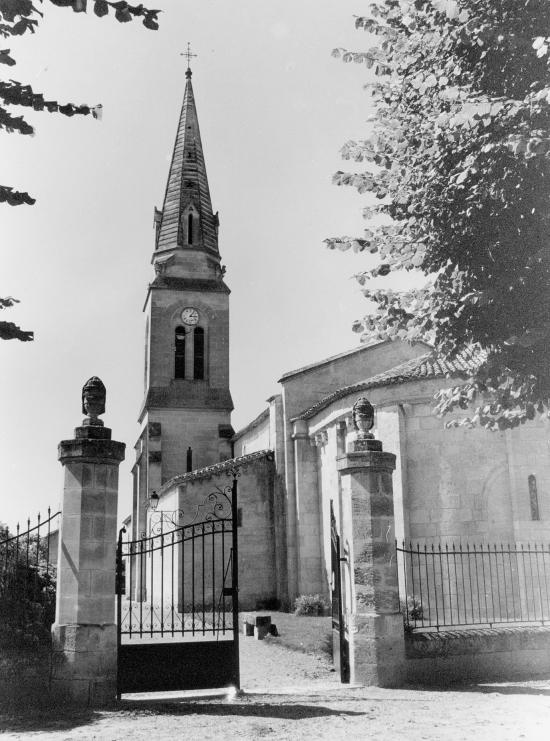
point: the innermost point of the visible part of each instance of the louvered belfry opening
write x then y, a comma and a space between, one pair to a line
179, 359
198, 353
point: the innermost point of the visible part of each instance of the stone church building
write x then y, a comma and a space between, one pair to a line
450, 485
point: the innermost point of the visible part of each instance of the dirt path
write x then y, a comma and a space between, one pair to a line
266, 667
296, 696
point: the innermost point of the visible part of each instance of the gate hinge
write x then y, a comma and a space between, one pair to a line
344, 558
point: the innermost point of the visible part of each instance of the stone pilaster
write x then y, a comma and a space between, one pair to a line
308, 515
84, 632
375, 624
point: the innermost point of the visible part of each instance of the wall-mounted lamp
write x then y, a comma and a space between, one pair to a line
153, 501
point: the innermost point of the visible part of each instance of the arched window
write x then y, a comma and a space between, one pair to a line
198, 353
179, 364
533, 497
190, 229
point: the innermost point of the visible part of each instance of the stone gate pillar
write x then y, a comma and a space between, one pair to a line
84, 632
377, 647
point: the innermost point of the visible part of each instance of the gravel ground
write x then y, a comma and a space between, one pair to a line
289, 695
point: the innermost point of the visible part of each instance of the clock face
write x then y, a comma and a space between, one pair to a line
189, 315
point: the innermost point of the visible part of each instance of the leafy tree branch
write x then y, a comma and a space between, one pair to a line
18, 17
9, 330
458, 180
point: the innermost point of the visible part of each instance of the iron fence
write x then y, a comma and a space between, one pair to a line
453, 586
28, 570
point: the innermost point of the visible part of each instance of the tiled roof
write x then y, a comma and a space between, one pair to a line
217, 469
187, 182
418, 369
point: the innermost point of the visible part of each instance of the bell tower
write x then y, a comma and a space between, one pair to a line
186, 412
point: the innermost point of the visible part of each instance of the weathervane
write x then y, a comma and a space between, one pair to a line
189, 56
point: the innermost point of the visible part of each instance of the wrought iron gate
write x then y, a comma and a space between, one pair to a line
177, 596
340, 641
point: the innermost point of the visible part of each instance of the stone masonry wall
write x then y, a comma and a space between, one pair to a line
528, 449
302, 389
329, 489
183, 428
165, 316
305, 387
259, 536
477, 655
257, 438
457, 481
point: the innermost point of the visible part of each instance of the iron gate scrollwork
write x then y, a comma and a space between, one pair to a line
164, 521
340, 640
177, 595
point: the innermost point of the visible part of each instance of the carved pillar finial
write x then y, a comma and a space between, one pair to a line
363, 418
363, 422
93, 401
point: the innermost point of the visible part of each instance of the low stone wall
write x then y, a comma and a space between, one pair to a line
24, 678
483, 654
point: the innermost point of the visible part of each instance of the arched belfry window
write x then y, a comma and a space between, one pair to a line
190, 226
179, 360
533, 497
198, 353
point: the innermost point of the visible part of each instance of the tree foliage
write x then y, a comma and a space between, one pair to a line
27, 591
18, 17
9, 330
458, 158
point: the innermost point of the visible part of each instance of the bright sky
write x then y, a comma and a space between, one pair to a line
274, 109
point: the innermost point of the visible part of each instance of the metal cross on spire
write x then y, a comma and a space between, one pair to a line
189, 56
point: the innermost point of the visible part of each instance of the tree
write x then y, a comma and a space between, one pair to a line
18, 17
9, 330
459, 155
27, 589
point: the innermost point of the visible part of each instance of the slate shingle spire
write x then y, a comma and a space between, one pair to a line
187, 402
186, 220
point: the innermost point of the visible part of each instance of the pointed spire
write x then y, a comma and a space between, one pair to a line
187, 220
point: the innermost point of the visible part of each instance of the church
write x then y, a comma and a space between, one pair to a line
450, 485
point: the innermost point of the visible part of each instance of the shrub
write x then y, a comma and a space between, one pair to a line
27, 593
27, 610
310, 604
412, 611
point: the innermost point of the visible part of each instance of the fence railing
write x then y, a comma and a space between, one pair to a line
452, 586
28, 570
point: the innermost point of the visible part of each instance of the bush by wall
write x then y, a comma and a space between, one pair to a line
310, 604
27, 611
